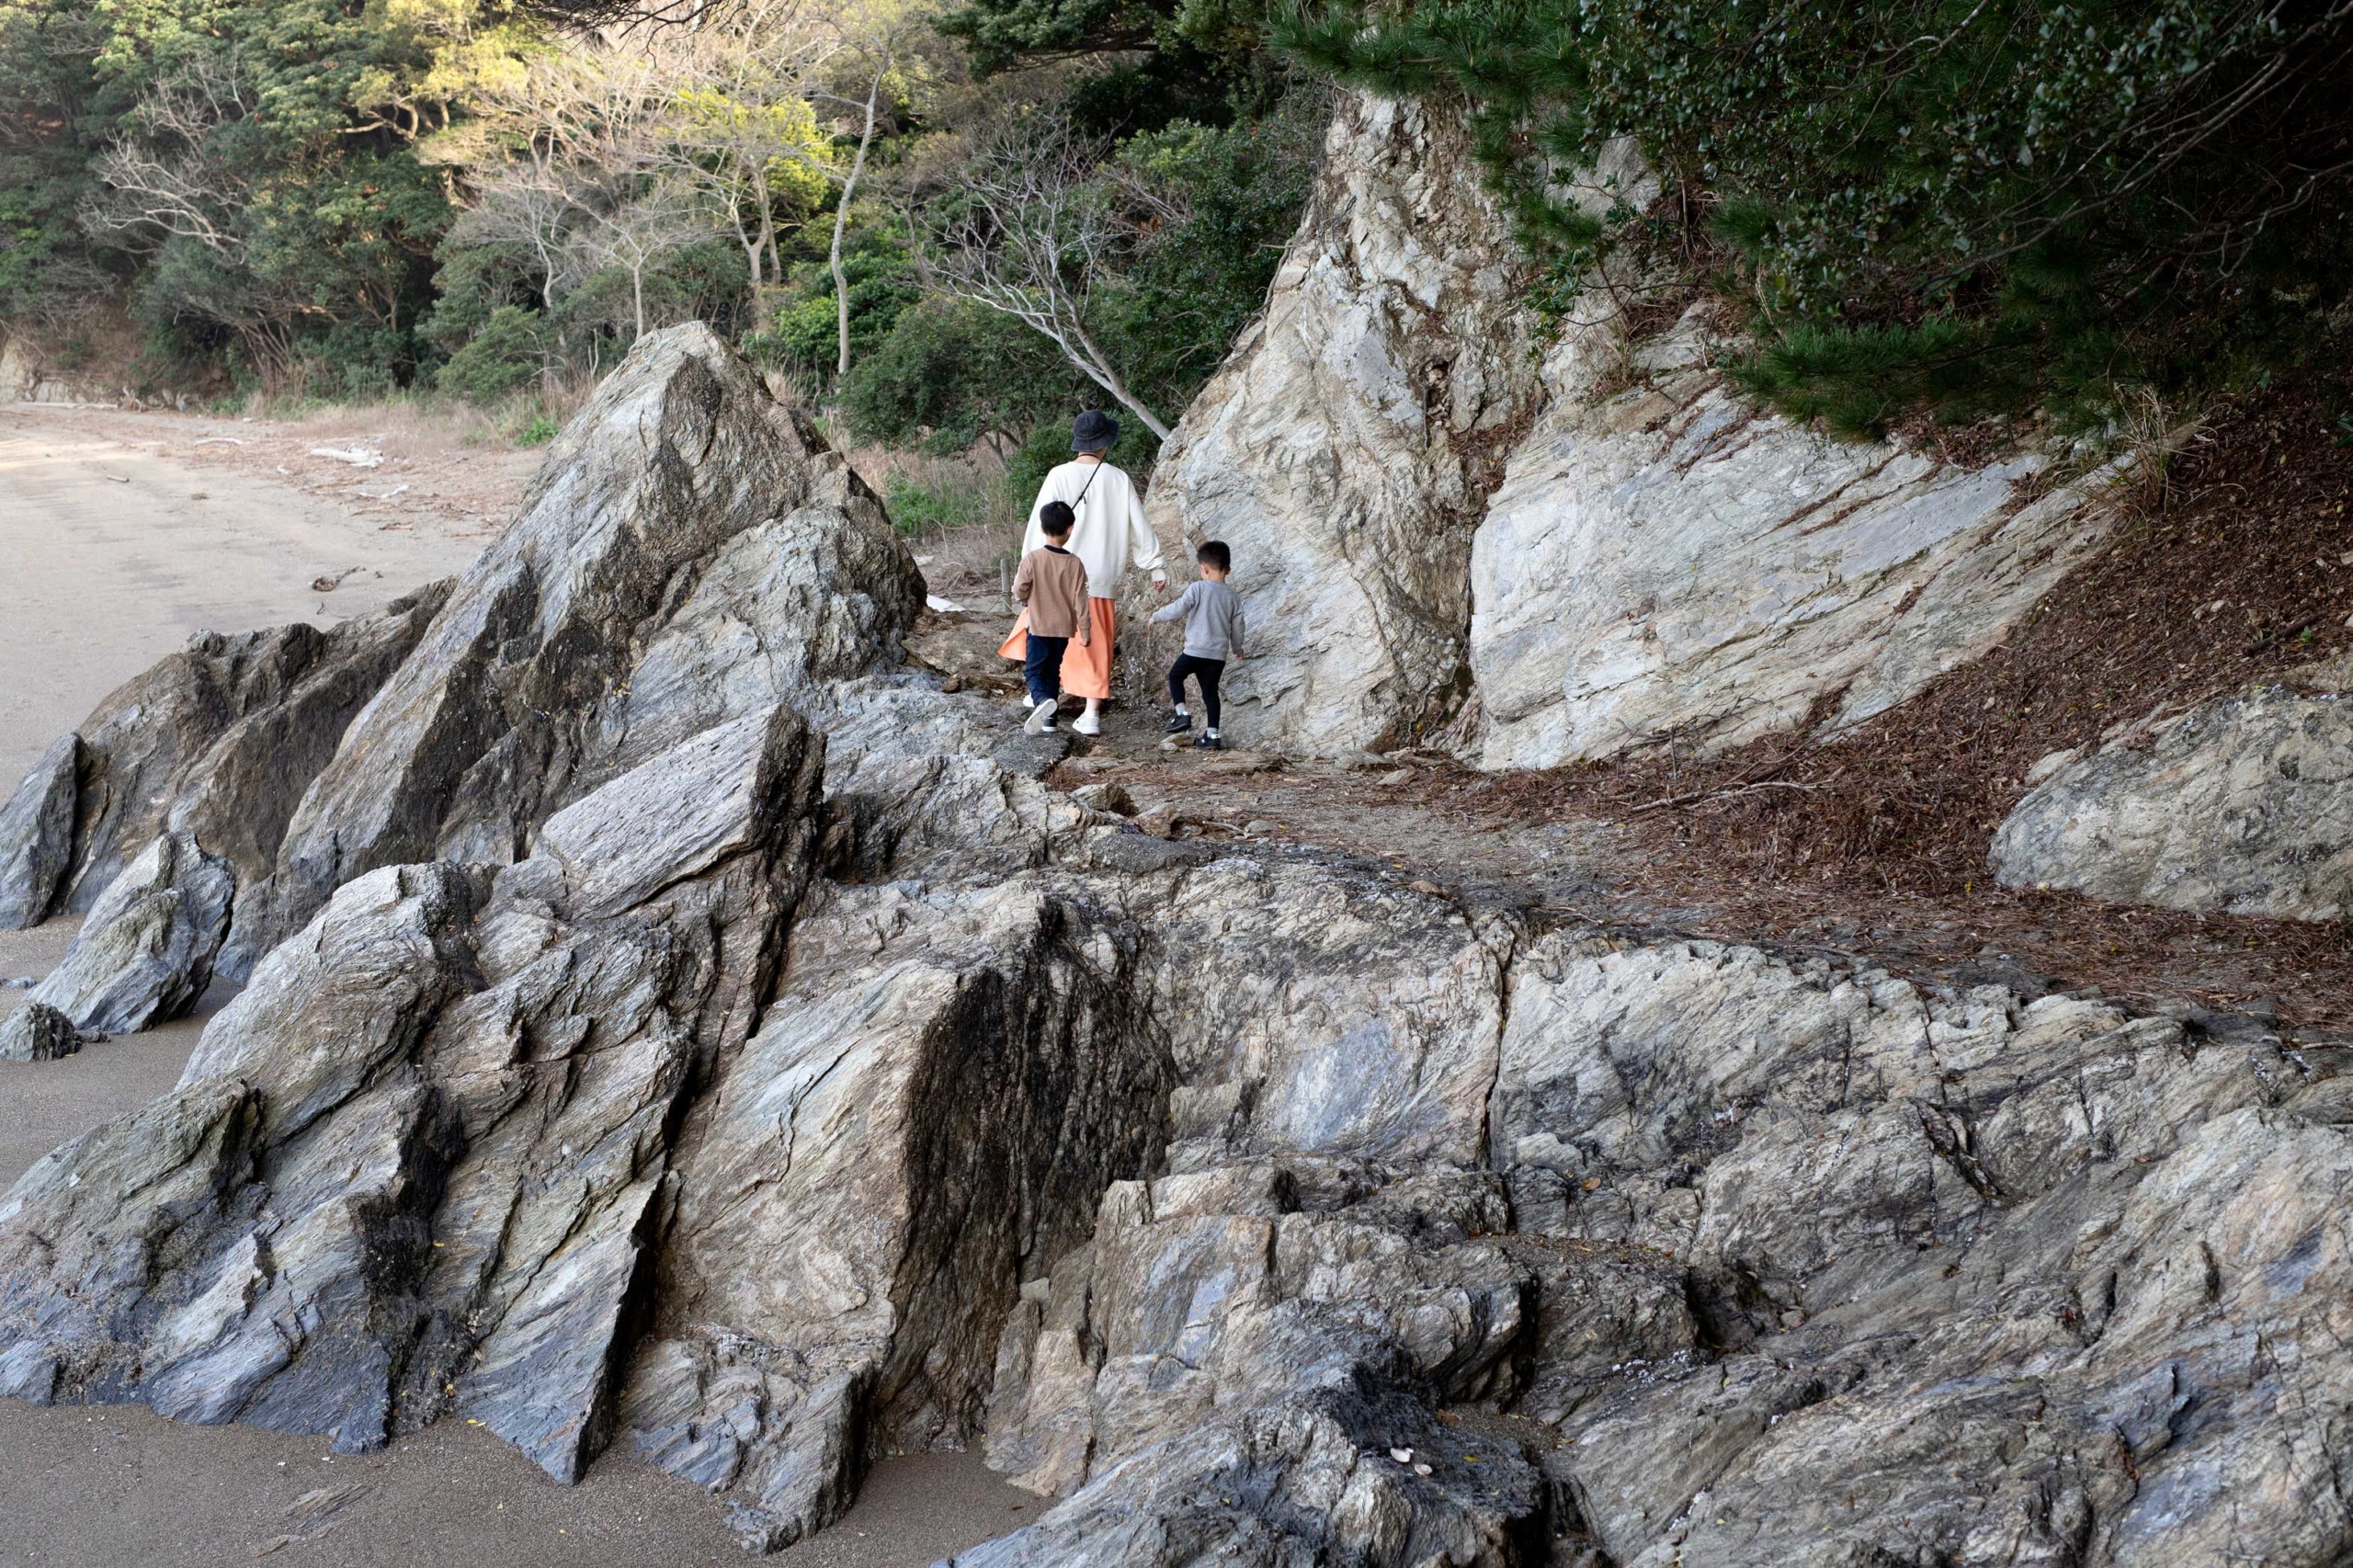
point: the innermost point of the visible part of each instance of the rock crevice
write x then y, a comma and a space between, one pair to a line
763, 1067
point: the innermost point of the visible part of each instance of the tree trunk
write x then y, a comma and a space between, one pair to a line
767, 200
1110, 379
841, 223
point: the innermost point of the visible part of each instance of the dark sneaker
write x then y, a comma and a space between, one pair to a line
1041, 719
1208, 743
1177, 724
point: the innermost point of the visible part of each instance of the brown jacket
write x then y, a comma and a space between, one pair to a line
1052, 583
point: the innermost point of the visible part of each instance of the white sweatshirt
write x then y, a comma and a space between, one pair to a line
1111, 533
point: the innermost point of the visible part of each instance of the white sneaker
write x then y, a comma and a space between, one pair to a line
1022, 704
1040, 720
1088, 724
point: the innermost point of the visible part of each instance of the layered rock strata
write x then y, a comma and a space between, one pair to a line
2240, 806
1541, 540
1345, 447
1665, 560
812, 1079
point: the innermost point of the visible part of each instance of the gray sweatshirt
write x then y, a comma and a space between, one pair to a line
1212, 613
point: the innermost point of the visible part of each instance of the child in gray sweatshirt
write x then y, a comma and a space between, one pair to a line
1214, 629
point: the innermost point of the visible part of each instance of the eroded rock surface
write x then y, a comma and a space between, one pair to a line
145, 953
2242, 806
37, 836
418, 1164
1345, 447
687, 553
763, 1066
38, 1032
1538, 542
1666, 559
220, 740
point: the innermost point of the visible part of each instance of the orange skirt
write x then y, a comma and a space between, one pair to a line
1086, 666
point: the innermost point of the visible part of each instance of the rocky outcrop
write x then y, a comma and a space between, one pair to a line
419, 1162
145, 954
220, 740
37, 836
1665, 560
1545, 541
683, 523
939, 1097
2240, 806
686, 557
38, 1032
812, 1079
1345, 447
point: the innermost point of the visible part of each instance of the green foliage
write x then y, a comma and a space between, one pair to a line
541, 430
244, 165
1226, 201
507, 352
949, 373
1159, 61
1950, 205
802, 331
920, 508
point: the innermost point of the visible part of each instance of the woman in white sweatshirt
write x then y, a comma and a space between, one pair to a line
1109, 535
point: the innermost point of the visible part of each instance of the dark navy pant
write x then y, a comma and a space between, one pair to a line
1206, 671
1042, 667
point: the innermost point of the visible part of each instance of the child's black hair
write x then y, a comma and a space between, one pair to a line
1056, 517
1214, 553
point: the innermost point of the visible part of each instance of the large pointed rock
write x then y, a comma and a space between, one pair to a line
632, 551
145, 955
37, 836
415, 1163
1345, 447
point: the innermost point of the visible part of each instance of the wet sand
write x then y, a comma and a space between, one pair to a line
116, 553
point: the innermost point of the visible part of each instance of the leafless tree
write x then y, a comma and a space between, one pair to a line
161, 175
849, 193
1028, 232
524, 202
164, 177
739, 118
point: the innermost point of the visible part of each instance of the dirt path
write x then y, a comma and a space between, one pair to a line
1537, 841
122, 536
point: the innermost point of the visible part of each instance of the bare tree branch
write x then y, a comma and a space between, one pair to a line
1027, 232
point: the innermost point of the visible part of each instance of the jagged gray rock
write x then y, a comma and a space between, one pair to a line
689, 553
1663, 560
37, 836
765, 1065
221, 739
38, 1032
940, 1094
1345, 447
1538, 542
417, 1164
145, 955
2240, 806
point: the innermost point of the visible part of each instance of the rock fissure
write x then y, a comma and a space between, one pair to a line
757, 1063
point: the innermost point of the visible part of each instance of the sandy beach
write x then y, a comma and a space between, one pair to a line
120, 543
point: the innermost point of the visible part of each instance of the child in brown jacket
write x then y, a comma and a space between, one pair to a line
1052, 583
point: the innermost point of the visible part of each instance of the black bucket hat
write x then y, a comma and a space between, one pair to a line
1093, 431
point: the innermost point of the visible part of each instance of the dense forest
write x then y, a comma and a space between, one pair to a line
954, 224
